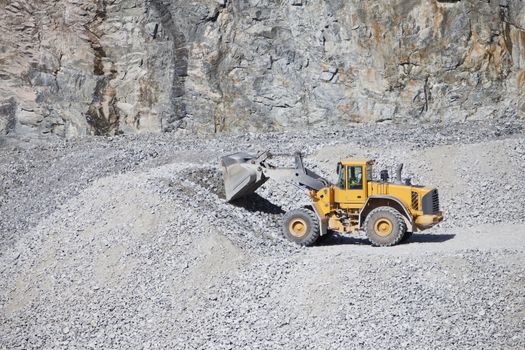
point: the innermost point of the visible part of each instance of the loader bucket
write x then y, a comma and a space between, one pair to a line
241, 176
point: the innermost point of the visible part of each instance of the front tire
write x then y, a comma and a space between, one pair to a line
301, 226
385, 227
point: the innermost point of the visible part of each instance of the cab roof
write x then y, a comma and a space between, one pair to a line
346, 162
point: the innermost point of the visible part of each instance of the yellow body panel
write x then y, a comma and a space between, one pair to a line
401, 192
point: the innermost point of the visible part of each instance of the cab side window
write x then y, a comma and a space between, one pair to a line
355, 178
341, 179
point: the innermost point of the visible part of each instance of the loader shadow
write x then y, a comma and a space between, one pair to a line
337, 239
255, 203
430, 238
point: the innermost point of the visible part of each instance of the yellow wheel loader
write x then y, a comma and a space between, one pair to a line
388, 211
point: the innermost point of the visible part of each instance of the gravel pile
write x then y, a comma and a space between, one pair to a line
128, 243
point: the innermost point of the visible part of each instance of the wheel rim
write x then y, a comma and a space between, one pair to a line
297, 227
383, 227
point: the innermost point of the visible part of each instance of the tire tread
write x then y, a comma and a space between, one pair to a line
314, 233
400, 220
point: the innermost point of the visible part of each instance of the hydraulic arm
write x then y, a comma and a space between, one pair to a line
245, 173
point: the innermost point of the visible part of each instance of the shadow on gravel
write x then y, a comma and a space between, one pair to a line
337, 239
256, 203
429, 238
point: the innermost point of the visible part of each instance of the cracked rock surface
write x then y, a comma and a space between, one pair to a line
101, 67
127, 242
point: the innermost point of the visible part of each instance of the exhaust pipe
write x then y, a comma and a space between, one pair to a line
398, 173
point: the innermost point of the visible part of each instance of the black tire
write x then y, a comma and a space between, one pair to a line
385, 227
406, 237
301, 226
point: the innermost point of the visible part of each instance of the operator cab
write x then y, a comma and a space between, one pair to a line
352, 173
352, 179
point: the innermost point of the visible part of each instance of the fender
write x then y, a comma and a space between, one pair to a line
404, 211
323, 222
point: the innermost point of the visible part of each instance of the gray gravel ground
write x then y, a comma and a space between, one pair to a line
127, 243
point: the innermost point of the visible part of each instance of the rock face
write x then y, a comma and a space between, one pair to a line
103, 67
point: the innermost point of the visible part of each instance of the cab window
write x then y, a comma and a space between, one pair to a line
355, 178
369, 173
341, 178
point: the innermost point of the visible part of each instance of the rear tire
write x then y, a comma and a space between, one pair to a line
301, 226
385, 227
